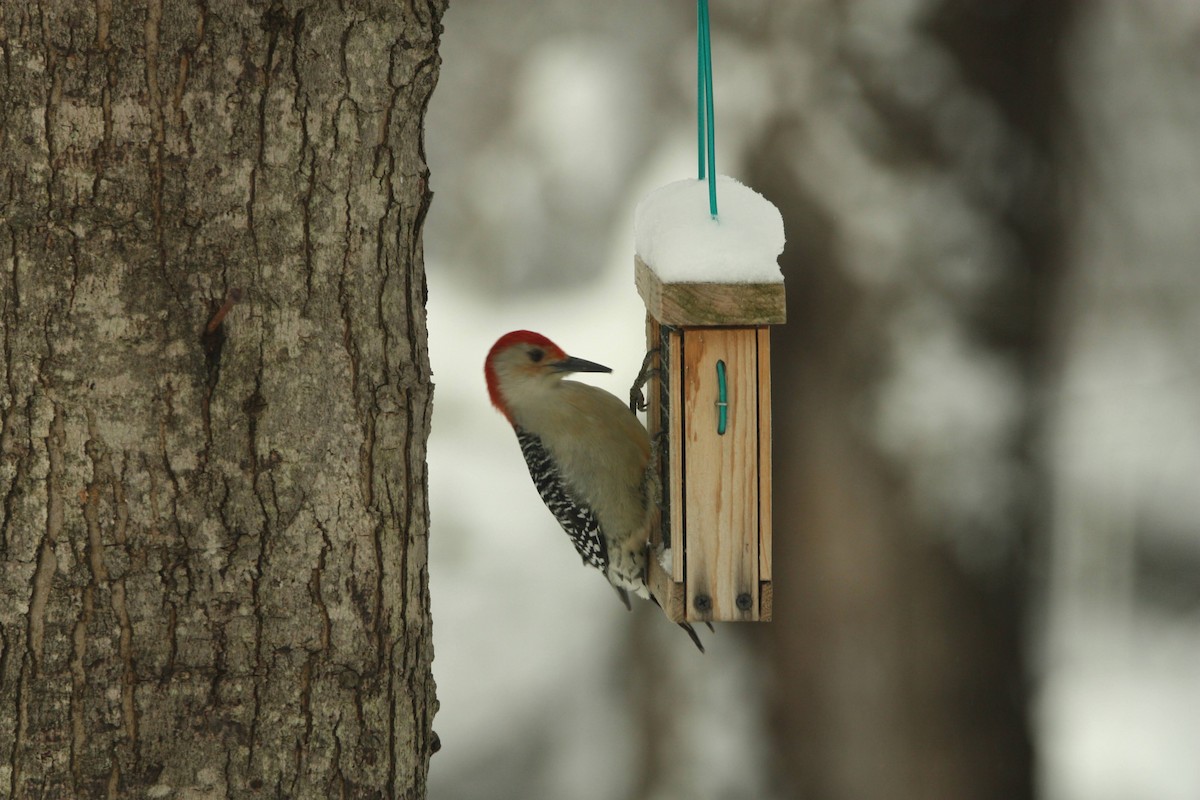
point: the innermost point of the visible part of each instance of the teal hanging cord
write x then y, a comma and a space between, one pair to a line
722, 400
706, 149
701, 94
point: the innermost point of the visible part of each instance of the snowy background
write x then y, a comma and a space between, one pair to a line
1024, 393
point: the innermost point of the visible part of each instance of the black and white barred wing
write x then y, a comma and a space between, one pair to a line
575, 517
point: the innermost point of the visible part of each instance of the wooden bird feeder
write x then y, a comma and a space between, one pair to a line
711, 549
712, 287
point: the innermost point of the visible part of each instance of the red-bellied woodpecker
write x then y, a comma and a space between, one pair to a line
587, 454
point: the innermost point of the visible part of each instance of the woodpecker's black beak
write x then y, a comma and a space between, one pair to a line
572, 364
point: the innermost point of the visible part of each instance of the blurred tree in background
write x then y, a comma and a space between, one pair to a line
926, 210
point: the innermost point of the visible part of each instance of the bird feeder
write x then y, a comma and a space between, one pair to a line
709, 400
712, 287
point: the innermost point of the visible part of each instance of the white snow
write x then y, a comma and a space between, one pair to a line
677, 237
666, 560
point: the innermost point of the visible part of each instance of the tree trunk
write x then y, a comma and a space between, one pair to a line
216, 398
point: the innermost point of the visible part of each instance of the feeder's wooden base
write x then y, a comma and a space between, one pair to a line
672, 597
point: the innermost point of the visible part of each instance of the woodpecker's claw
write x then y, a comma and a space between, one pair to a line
637, 399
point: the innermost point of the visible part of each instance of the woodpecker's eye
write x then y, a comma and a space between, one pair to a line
536, 355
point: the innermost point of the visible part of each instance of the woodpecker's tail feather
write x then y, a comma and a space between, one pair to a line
624, 595
691, 632
687, 627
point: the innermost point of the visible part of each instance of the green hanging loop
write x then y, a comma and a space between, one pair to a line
701, 94
706, 150
722, 399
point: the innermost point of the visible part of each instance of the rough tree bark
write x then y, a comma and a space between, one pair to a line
214, 535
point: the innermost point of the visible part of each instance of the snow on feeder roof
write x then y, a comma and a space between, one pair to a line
677, 237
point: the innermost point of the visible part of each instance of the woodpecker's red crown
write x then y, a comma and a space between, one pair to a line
525, 357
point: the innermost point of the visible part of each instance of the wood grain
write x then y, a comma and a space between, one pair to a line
676, 409
765, 517
721, 488
766, 601
667, 588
